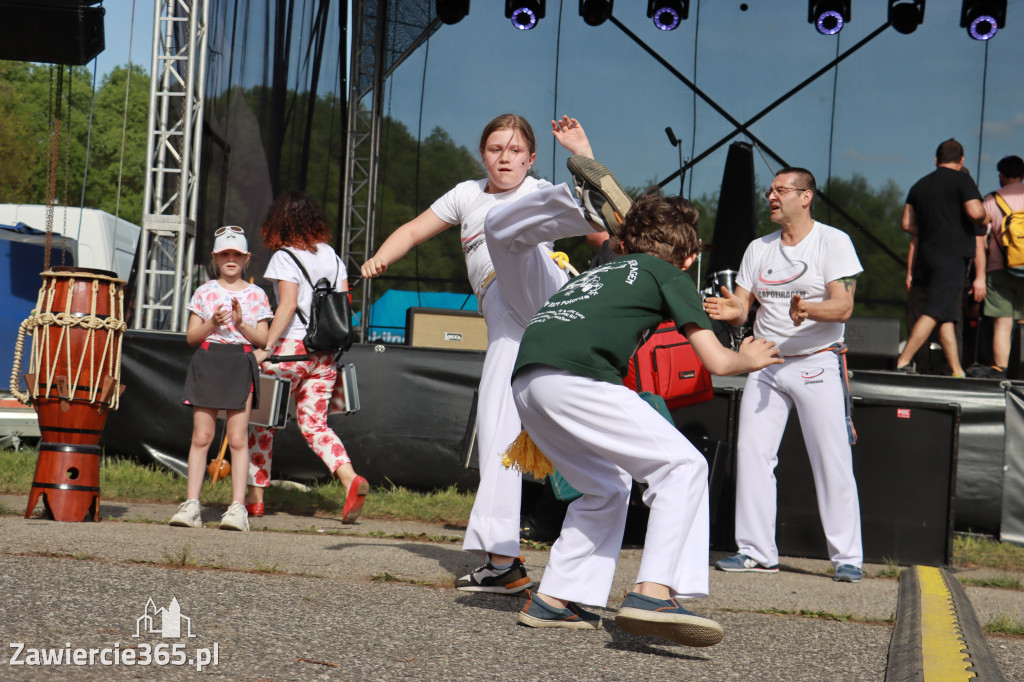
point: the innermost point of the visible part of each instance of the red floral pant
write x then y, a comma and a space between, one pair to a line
312, 384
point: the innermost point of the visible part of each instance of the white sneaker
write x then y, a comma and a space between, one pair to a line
188, 515
235, 518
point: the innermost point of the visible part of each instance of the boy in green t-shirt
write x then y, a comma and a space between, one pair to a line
600, 435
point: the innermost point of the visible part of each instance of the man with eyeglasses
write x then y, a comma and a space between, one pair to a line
803, 276
940, 216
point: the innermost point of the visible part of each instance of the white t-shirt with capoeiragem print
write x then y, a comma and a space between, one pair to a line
775, 273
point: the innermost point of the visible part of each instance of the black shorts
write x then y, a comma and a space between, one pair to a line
943, 279
221, 376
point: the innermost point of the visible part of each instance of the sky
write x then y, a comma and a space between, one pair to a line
126, 22
880, 114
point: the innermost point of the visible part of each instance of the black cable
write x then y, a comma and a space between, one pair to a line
981, 120
554, 114
832, 126
419, 146
693, 132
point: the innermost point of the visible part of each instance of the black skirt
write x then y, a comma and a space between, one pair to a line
221, 376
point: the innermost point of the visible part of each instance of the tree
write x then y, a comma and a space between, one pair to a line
27, 97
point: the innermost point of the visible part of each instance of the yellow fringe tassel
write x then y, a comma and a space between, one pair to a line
562, 260
525, 456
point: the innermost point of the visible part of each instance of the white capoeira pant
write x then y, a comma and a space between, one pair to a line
518, 239
814, 384
600, 436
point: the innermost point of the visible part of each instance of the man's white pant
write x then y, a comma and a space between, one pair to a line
525, 278
600, 436
814, 385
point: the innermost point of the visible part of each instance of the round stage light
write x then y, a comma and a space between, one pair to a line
452, 11
829, 23
595, 12
524, 18
667, 15
905, 17
983, 27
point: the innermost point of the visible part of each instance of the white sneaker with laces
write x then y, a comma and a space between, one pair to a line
188, 515
235, 518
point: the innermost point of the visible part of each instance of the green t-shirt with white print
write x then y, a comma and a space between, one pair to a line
592, 325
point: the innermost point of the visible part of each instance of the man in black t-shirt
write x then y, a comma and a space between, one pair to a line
941, 214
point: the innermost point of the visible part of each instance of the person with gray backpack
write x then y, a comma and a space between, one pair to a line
307, 333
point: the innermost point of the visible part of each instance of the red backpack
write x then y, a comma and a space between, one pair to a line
667, 365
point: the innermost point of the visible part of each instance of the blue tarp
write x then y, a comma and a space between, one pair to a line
387, 315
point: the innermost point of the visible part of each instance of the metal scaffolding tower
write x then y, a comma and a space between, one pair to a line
366, 81
170, 200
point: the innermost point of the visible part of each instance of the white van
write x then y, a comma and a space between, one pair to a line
104, 242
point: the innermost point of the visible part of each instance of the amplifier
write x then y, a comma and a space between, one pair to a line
445, 328
872, 342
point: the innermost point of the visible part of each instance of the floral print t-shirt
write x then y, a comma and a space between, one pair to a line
212, 296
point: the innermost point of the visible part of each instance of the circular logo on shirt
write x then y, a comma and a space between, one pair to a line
788, 274
812, 373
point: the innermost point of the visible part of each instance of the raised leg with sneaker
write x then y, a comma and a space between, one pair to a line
603, 198
499, 579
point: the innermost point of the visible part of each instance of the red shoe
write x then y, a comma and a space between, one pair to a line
254, 509
354, 499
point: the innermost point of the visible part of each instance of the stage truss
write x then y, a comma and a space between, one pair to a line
384, 33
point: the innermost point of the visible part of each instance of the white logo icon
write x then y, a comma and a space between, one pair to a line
164, 622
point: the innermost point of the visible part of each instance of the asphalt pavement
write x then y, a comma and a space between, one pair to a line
304, 598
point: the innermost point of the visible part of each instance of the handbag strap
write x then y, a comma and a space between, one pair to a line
305, 273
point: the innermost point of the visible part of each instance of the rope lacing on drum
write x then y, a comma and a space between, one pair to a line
45, 322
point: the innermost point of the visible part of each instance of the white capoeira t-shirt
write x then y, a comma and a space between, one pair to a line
775, 273
467, 204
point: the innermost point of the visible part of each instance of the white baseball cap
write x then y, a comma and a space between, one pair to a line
230, 238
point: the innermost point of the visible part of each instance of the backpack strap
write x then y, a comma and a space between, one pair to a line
304, 274
1001, 203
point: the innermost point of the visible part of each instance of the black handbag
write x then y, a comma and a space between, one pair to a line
329, 327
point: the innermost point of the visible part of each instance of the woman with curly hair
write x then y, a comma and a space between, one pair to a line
295, 229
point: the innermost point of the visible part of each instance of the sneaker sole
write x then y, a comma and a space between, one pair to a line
185, 524
600, 177
511, 588
534, 622
759, 569
231, 526
675, 627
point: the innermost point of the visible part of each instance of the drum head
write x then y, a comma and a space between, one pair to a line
722, 278
71, 270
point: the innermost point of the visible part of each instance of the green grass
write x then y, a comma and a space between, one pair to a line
1004, 625
388, 578
1004, 582
980, 551
126, 480
891, 570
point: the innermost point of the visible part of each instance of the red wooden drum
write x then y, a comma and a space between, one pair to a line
73, 380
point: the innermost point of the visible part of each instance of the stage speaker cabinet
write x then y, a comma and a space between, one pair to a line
905, 464
51, 31
445, 328
872, 342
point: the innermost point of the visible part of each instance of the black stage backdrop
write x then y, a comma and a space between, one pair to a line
410, 431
